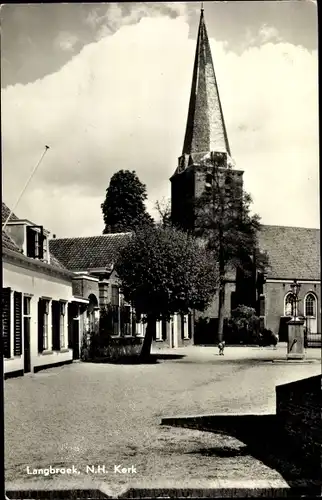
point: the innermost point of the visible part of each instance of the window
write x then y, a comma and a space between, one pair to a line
262, 306
6, 324
26, 305
55, 321
115, 299
43, 324
288, 305
125, 317
310, 305
17, 335
62, 324
35, 242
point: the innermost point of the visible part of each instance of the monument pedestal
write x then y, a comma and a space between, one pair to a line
295, 345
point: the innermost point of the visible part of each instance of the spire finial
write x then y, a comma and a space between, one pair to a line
202, 9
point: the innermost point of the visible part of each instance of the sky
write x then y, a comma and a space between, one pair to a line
107, 87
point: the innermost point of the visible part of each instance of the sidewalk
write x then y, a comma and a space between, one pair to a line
233, 353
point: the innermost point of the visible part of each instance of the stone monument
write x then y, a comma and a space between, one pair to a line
295, 344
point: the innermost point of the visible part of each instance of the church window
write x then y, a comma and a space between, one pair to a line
310, 305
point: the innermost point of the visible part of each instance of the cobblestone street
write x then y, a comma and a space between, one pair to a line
105, 414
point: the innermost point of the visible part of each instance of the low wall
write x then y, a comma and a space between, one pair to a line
298, 409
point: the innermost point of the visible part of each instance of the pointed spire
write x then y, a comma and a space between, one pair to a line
205, 129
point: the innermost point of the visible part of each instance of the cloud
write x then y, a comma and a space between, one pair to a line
108, 19
268, 33
122, 103
264, 35
66, 41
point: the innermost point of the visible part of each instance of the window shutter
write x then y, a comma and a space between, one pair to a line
31, 243
17, 301
41, 244
6, 309
55, 318
41, 312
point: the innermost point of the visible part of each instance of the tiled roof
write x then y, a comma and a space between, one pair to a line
5, 211
55, 262
294, 252
85, 253
8, 243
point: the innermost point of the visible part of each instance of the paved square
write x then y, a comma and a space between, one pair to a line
88, 415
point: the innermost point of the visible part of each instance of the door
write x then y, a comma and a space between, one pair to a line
26, 343
75, 334
73, 329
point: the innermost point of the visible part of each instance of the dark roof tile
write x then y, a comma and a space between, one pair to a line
294, 252
8, 243
85, 253
5, 213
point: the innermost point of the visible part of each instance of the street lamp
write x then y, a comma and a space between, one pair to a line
295, 287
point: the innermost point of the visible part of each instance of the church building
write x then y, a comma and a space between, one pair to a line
294, 253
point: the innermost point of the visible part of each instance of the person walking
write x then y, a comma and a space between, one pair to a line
221, 347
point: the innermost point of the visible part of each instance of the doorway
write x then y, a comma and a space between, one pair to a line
73, 329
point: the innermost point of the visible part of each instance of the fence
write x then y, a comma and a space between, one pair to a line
314, 339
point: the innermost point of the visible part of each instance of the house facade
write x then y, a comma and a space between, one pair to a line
92, 259
39, 307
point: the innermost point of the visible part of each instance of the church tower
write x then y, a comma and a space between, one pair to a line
206, 142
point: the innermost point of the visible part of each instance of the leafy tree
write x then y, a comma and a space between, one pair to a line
124, 209
224, 220
163, 208
164, 271
244, 318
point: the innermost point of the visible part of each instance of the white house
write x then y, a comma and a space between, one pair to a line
38, 306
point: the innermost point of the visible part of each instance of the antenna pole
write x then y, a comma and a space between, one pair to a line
25, 187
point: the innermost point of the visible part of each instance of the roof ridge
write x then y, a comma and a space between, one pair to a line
291, 227
84, 237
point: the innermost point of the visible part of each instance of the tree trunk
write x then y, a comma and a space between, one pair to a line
148, 338
221, 309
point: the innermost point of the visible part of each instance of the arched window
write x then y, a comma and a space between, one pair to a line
288, 304
310, 305
93, 304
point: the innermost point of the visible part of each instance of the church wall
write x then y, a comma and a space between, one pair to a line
205, 332
212, 310
274, 302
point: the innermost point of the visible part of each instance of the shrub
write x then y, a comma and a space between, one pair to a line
245, 323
